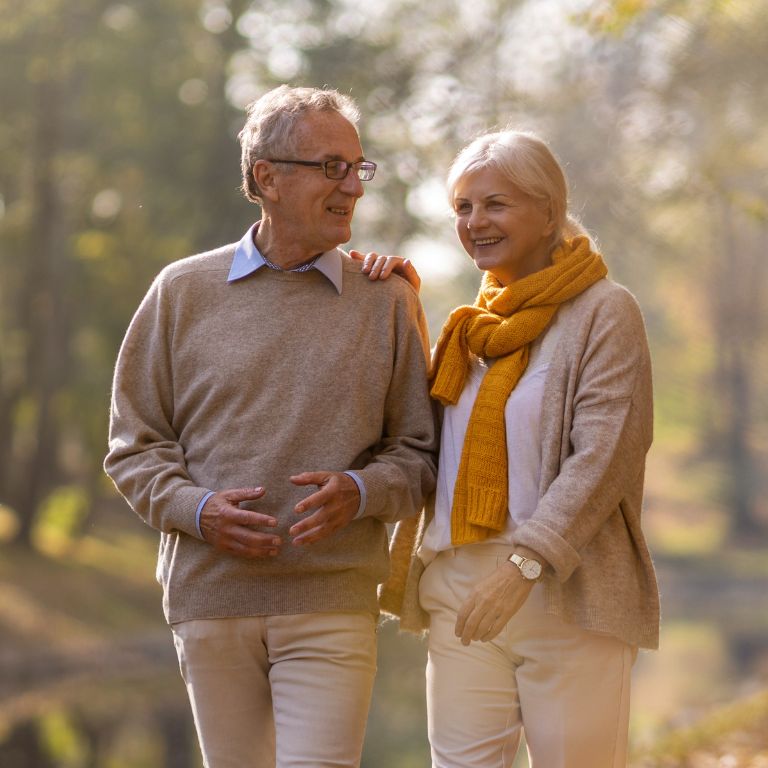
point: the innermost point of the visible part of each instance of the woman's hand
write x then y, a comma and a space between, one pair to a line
492, 603
381, 267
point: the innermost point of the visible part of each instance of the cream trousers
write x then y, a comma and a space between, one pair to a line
566, 688
285, 691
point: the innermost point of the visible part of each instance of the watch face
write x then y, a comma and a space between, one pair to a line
531, 569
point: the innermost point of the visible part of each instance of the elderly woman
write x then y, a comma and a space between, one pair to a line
530, 569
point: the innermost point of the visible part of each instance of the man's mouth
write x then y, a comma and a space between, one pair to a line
339, 211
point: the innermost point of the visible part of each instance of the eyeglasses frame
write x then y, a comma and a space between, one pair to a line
361, 165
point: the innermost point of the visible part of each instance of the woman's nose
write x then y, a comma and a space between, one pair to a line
476, 218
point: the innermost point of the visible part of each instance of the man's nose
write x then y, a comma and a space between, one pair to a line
351, 184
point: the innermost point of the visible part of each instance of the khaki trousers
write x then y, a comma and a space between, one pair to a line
285, 691
566, 688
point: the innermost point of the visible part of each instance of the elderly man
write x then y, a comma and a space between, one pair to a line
270, 414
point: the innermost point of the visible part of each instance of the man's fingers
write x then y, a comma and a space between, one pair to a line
317, 520
314, 501
247, 543
230, 528
236, 495
314, 528
332, 506
310, 478
319, 497
247, 518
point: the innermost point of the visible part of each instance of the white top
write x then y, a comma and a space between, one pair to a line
522, 417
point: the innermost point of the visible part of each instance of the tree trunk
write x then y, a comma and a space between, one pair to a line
736, 303
42, 322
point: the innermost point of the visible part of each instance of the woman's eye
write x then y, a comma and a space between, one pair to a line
463, 209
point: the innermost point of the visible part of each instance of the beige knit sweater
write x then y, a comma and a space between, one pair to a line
225, 385
597, 423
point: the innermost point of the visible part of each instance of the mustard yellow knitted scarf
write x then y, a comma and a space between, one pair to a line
501, 324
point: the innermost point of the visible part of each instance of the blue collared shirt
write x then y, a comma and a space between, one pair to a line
248, 260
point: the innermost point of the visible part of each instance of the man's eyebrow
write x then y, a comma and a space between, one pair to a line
339, 157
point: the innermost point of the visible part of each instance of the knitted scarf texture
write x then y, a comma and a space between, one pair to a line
501, 324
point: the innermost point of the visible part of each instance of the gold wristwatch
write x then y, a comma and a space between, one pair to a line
529, 568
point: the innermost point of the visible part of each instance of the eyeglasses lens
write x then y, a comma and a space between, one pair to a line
338, 169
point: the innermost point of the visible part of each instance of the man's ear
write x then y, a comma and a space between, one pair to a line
266, 179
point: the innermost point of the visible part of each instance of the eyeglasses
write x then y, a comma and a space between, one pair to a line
337, 169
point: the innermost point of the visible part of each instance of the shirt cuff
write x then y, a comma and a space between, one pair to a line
199, 510
363, 497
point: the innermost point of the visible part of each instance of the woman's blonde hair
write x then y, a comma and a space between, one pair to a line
529, 164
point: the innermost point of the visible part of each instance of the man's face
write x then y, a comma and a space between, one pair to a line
313, 210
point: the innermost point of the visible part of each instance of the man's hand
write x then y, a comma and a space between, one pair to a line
230, 529
335, 504
491, 604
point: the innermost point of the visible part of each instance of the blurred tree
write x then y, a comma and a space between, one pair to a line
119, 154
34, 367
23, 748
116, 126
719, 91
692, 137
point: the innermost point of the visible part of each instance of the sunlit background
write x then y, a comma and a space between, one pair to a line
118, 154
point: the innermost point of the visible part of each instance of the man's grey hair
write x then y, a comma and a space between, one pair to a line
270, 126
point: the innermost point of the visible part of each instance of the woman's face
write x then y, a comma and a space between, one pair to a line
505, 231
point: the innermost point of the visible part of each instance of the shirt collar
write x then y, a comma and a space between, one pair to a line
248, 259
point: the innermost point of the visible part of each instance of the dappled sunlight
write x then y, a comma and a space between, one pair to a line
9, 524
119, 156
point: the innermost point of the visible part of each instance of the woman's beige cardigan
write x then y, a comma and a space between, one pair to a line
597, 424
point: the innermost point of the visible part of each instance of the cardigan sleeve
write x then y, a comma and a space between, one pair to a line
607, 430
402, 470
145, 459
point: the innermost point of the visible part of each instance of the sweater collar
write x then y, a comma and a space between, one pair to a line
248, 260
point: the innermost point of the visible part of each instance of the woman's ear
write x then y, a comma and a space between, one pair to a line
266, 179
549, 227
